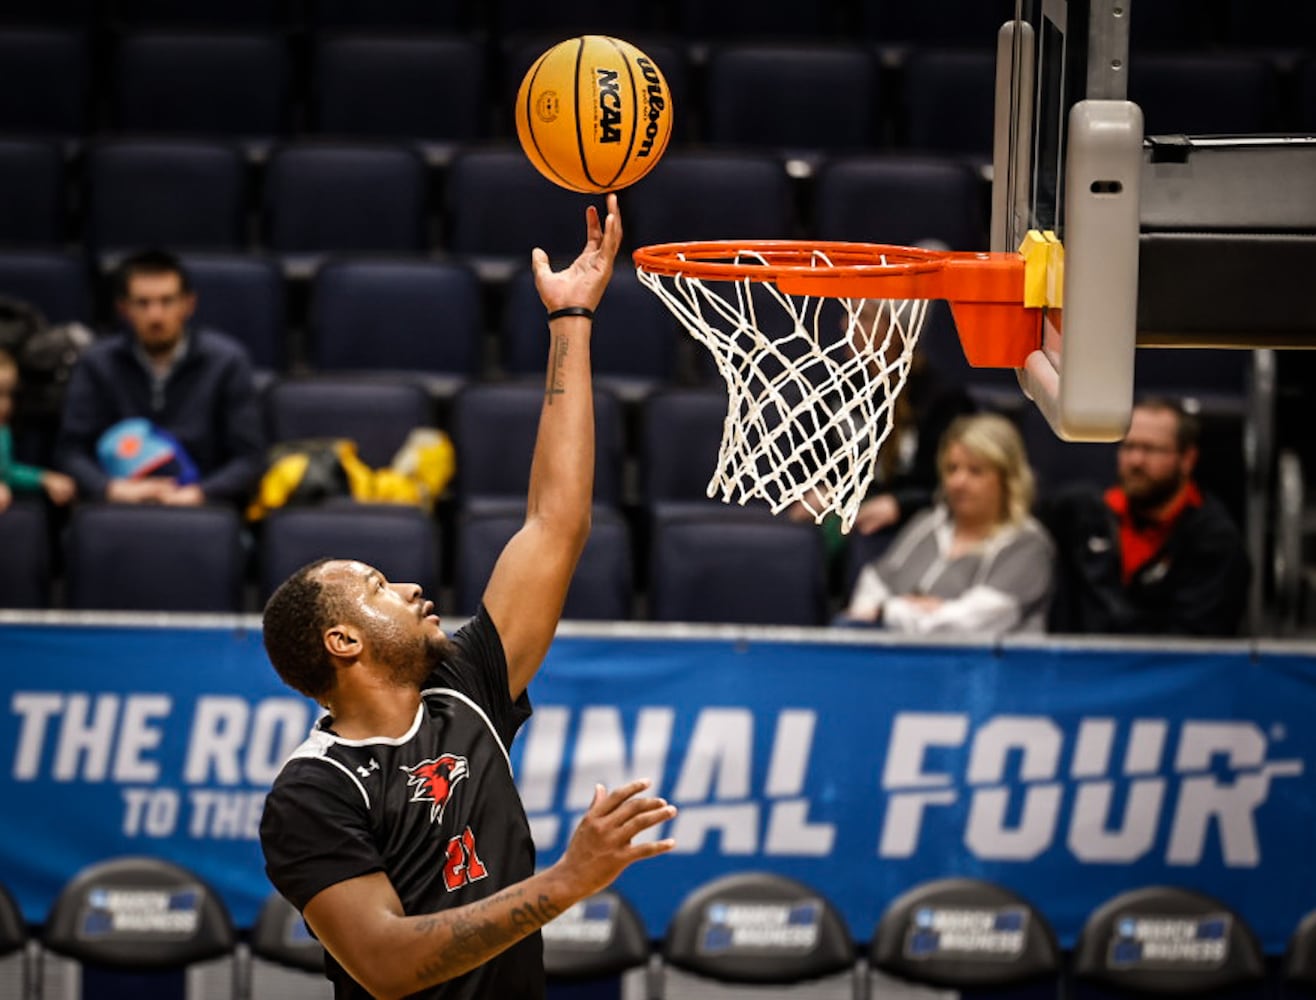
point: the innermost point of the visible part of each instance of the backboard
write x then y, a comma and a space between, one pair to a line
1067, 162
1161, 240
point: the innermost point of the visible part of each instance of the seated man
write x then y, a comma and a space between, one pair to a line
1153, 555
194, 386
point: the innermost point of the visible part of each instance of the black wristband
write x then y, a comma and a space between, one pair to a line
571, 311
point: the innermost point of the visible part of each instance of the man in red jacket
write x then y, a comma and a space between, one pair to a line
1153, 555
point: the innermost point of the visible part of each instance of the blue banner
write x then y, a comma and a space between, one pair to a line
1067, 774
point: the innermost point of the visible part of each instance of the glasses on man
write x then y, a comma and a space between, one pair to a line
1146, 448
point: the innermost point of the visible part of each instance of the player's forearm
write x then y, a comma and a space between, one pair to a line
435, 948
562, 471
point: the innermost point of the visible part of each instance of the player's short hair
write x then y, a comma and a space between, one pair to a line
1187, 428
149, 262
293, 626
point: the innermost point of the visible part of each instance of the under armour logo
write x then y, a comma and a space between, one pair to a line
365, 771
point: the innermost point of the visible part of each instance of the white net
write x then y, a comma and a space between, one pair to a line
811, 385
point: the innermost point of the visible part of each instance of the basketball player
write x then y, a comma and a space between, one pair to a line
396, 828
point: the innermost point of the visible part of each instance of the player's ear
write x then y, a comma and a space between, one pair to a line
343, 640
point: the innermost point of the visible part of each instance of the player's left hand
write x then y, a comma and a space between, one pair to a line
584, 281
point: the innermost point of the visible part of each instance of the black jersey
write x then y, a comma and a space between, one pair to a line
436, 810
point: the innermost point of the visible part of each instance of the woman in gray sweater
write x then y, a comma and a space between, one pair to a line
976, 562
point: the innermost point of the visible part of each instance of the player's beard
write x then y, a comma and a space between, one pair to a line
412, 659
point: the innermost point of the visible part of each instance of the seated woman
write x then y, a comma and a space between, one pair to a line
977, 561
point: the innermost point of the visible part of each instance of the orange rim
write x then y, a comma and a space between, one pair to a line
721, 260
985, 290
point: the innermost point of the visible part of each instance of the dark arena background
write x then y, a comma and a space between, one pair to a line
863, 814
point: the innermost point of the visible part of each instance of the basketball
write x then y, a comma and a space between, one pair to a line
594, 114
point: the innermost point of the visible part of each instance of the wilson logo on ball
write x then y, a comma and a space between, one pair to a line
594, 114
655, 104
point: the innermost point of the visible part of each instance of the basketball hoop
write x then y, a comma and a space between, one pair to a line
810, 406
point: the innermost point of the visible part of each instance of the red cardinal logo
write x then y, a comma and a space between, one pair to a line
432, 781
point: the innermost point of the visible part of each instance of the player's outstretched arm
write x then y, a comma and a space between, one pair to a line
529, 584
361, 922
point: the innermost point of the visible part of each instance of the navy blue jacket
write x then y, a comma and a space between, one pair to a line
208, 403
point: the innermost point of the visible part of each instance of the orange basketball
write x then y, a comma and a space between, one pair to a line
594, 114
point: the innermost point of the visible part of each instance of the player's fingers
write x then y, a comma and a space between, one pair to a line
649, 818
635, 805
539, 263
619, 795
638, 852
593, 228
612, 227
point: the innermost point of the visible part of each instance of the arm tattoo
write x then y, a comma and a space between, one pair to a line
531, 916
557, 359
475, 938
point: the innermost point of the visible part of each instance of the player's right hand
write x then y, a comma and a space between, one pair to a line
601, 848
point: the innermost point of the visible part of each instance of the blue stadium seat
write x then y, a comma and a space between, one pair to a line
377, 415
242, 295
703, 957
390, 15
1016, 957
1299, 972
201, 84
131, 558
287, 962
710, 196
335, 198
735, 566
54, 282
1176, 25
567, 17
66, 13
1060, 464
634, 346
396, 315
400, 541
1283, 26
31, 193
603, 583
427, 89
948, 100
1215, 380
178, 194
1111, 960
15, 974
25, 541
903, 200
951, 22
1198, 94
494, 429
680, 436
209, 14
702, 21
90, 953
794, 99
43, 82
497, 208
601, 940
